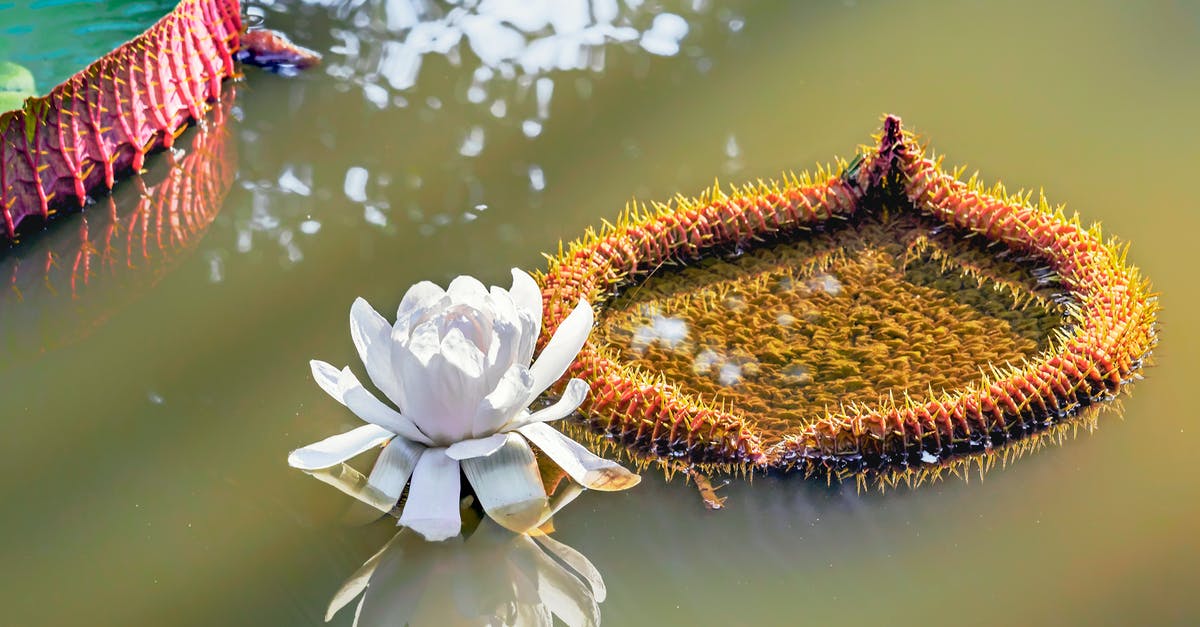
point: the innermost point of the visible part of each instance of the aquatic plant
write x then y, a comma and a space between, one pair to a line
1085, 327
62, 286
877, 306
103, 121
106, 118
456, 365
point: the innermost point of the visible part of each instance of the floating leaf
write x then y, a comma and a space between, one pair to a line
104, 120
877, 319
61, 286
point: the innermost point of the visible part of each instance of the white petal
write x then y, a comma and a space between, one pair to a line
394, 466
463, 354
589, 470
500, 302
506, 340
562, 348
422, 295
572, 398
372, 337
366, 406
509, 486
526, 294
327, 375
424, 342
337, 449
445, 408
530, 328
418, 302
505, 401
466, 289
423, 393
502, 351
527, 297
478, 447
445, 405
441, 396
432, 506
474, 324
414, 376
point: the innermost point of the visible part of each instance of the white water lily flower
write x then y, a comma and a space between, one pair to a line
456, 367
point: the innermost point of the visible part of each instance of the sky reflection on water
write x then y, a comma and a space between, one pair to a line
396, 55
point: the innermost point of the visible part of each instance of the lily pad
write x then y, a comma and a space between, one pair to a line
62, 285
101, 123
16, 84
879, 319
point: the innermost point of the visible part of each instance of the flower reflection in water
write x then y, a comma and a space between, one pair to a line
488, 576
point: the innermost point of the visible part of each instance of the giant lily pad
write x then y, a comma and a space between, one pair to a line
60, 287
879, 319
104, 120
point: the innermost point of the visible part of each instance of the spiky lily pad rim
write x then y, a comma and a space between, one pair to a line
1110, 334
82, 135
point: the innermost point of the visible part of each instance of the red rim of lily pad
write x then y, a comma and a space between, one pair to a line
1111, 330
104, 120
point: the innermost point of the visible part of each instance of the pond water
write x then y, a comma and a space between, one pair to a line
144, 451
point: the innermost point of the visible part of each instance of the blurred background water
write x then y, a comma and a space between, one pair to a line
143, 463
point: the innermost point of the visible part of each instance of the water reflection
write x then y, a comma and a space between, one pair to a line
487, 575
492, 577
440, 93
515, 45
63, 282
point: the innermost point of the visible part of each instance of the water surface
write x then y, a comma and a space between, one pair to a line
144, 461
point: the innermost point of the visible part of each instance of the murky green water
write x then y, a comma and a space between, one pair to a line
143, 459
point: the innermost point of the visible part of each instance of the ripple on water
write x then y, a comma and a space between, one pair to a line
474, 83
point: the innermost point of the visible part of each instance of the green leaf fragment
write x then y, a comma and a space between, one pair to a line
16, 84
